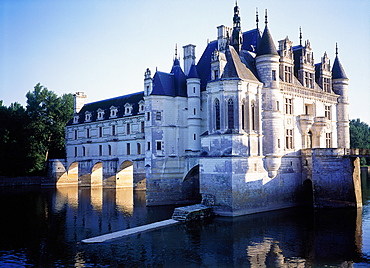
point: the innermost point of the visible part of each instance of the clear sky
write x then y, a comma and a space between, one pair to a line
103, 47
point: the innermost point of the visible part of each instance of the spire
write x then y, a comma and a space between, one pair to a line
236, 36
266, 17
266, 45
257, 19
193, 73
300, 36
176, 51
337, 70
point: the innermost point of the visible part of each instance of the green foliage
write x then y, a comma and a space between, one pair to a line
360, 137
31, 136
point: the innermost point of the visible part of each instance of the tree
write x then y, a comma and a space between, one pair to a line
48, 116
360, 137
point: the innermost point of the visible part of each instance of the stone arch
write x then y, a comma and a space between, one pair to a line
70, 176
97, 174
307, 193
190, 185
124, 176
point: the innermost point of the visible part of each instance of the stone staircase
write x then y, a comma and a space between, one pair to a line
192, 213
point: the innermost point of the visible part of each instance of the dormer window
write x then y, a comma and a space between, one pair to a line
87, 116
75, 119
128, 109
141, 106
113, 112
100, 114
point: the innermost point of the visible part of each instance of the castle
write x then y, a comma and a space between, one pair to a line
238, 130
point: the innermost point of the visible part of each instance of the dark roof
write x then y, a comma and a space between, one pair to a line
105, 105
170, 84
204, 64
251, 39
297, 53
234, 67
338, 71
266, 46
193, 72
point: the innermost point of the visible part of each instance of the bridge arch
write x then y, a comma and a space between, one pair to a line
124, 176
190, 185
97, 174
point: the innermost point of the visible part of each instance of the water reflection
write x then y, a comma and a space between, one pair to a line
58, 219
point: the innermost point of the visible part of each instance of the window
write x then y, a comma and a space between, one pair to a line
288, 106
158, 116
88, 133
75, 119
76, 135
113, 112
277, 106
253, 115
328, 112
128, 130
109, 149
148, 116
216, 74
87, 116
128, 108
100, 150
159, 145
288, 74
138, 147
195, 111
289, 139
326, 84
273, 75
230, 114
148, 145
128, 148
195, 137
217, 114
83, 151
113, 130
306, 80
309, 139
100, 131
311, 84
193, 89
75, 151
100, 114
243, 116
142, 126
141, 106
328, 140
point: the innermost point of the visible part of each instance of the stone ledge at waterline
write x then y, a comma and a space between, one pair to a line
21, 181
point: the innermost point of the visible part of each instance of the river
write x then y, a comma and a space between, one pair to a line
43, 227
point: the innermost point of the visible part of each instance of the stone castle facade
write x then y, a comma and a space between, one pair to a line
236, 129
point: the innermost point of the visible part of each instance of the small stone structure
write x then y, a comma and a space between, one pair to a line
192, 213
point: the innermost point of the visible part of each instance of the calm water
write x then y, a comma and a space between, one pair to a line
44, 227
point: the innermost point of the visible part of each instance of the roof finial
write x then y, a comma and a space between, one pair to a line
176, 51
336, 49
300, 36
236, 2
257, 19
266, 16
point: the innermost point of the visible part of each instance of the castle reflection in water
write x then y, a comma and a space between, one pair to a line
297, 237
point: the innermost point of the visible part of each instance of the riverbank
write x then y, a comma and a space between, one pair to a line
21, 181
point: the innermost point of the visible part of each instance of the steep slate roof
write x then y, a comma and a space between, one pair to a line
338, 71
234, 67
105, 105
297, 53
266, 46
204, 64
251, 39
193, 73
170, 84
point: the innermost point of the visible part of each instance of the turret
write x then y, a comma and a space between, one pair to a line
194, 118
340, 87
79, 101
148, 82
267, 63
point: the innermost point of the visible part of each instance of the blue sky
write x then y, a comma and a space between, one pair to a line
104, 47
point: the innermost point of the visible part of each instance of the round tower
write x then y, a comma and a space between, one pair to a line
267, 63
340, 87
194, 117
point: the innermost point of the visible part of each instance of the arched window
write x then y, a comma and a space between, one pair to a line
230, 114
217, 114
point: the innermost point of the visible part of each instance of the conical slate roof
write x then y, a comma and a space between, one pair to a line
193, 72
266, 45
338, 71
